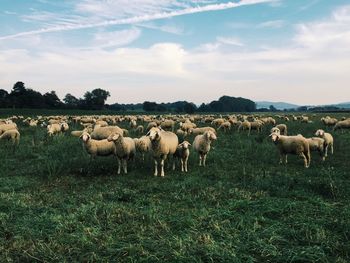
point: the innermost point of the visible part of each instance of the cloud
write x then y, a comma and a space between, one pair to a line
140, 18
271, 24
229, 41
116, 38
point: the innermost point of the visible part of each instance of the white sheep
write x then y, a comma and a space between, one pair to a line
56, 128
281, 129
328, 140
97, 147
6, 127
345, 124
101, 133
12, 135
292, 145
201, 144
317, 144
182, 152
163, 143
125, 150
201, 130
143, 145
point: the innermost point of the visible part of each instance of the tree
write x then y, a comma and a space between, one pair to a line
149, 106
17, 94
4, 99
95, 99
272, 108
51, 99
189, 108
71, 101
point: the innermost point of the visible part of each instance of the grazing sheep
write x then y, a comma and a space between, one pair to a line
133, 124
292, 145
125, 150
168, 124
6, 127
187, 126
328, 121
201, 144
163, 143
226, 126
317, 144
328, 140
79, 133
256, 125
97, 147
56, 128
101, 133
280, 128
201, 130
151, 125
12, 135
246, 125
182, 152
143, 145
345, 124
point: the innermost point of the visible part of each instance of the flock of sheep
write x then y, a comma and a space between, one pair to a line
101, 135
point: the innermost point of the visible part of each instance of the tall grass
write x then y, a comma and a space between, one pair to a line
56, 205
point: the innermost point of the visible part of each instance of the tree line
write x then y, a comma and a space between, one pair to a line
22, 97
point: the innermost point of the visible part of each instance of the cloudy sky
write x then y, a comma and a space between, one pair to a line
296, 51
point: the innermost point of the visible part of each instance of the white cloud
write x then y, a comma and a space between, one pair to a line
142, 17
116, 38
230, 41
272, 24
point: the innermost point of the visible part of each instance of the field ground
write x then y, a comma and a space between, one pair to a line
243, 207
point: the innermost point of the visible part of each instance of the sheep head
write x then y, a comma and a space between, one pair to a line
210, 135
319, 133
113, 137
85, 137
275, 130
275, 136
154, 133
184, 145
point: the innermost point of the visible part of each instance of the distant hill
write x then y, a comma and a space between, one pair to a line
277, 105
344, 105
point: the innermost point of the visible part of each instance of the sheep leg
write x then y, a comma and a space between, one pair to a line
186, 164
200, 160
204, 159
125, 166
173, 164
331, 148
182, 165
285, 158
305, 160
162, 168
119, 164
155, 168
326, 151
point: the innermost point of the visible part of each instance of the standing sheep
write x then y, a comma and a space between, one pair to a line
97, 147
317, 144
292, 145
12, 135
280, 128
143, 145
125, 150
163, 143
201, 144
182, 152
345, 124
328, 140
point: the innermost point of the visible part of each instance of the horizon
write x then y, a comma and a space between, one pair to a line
197, 51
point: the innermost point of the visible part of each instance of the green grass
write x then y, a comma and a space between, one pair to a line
243, 207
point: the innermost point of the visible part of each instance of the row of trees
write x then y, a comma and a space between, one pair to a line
22, 97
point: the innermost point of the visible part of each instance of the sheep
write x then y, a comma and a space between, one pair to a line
125, 150
328, 140
181, 133
139, 129
217, 122
280, 128
226, 126
317, 144
256, 125
97, 147
201, 144
345, 124
6, 127
56, 128
78, 133
292, 144
151, 125
246, 125
328, 121
100, 133
12, 135
163, 143
201, 130
133, 124
182, 152
187, 126
143, 145
168, 124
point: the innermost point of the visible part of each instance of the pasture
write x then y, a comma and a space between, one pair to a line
56, 205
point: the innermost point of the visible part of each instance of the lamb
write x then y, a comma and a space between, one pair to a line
97, 147
328, 140
292, 144
101, 133
125, 150
182, 152
317, 144
6, 127
201, 144
163, 143
280, 128
143, 145
12, 135
345, 124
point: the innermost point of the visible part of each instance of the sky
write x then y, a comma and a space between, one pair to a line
296, 51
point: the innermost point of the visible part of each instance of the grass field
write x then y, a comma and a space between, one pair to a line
55, 205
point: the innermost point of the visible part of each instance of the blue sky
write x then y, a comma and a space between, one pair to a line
166, 50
